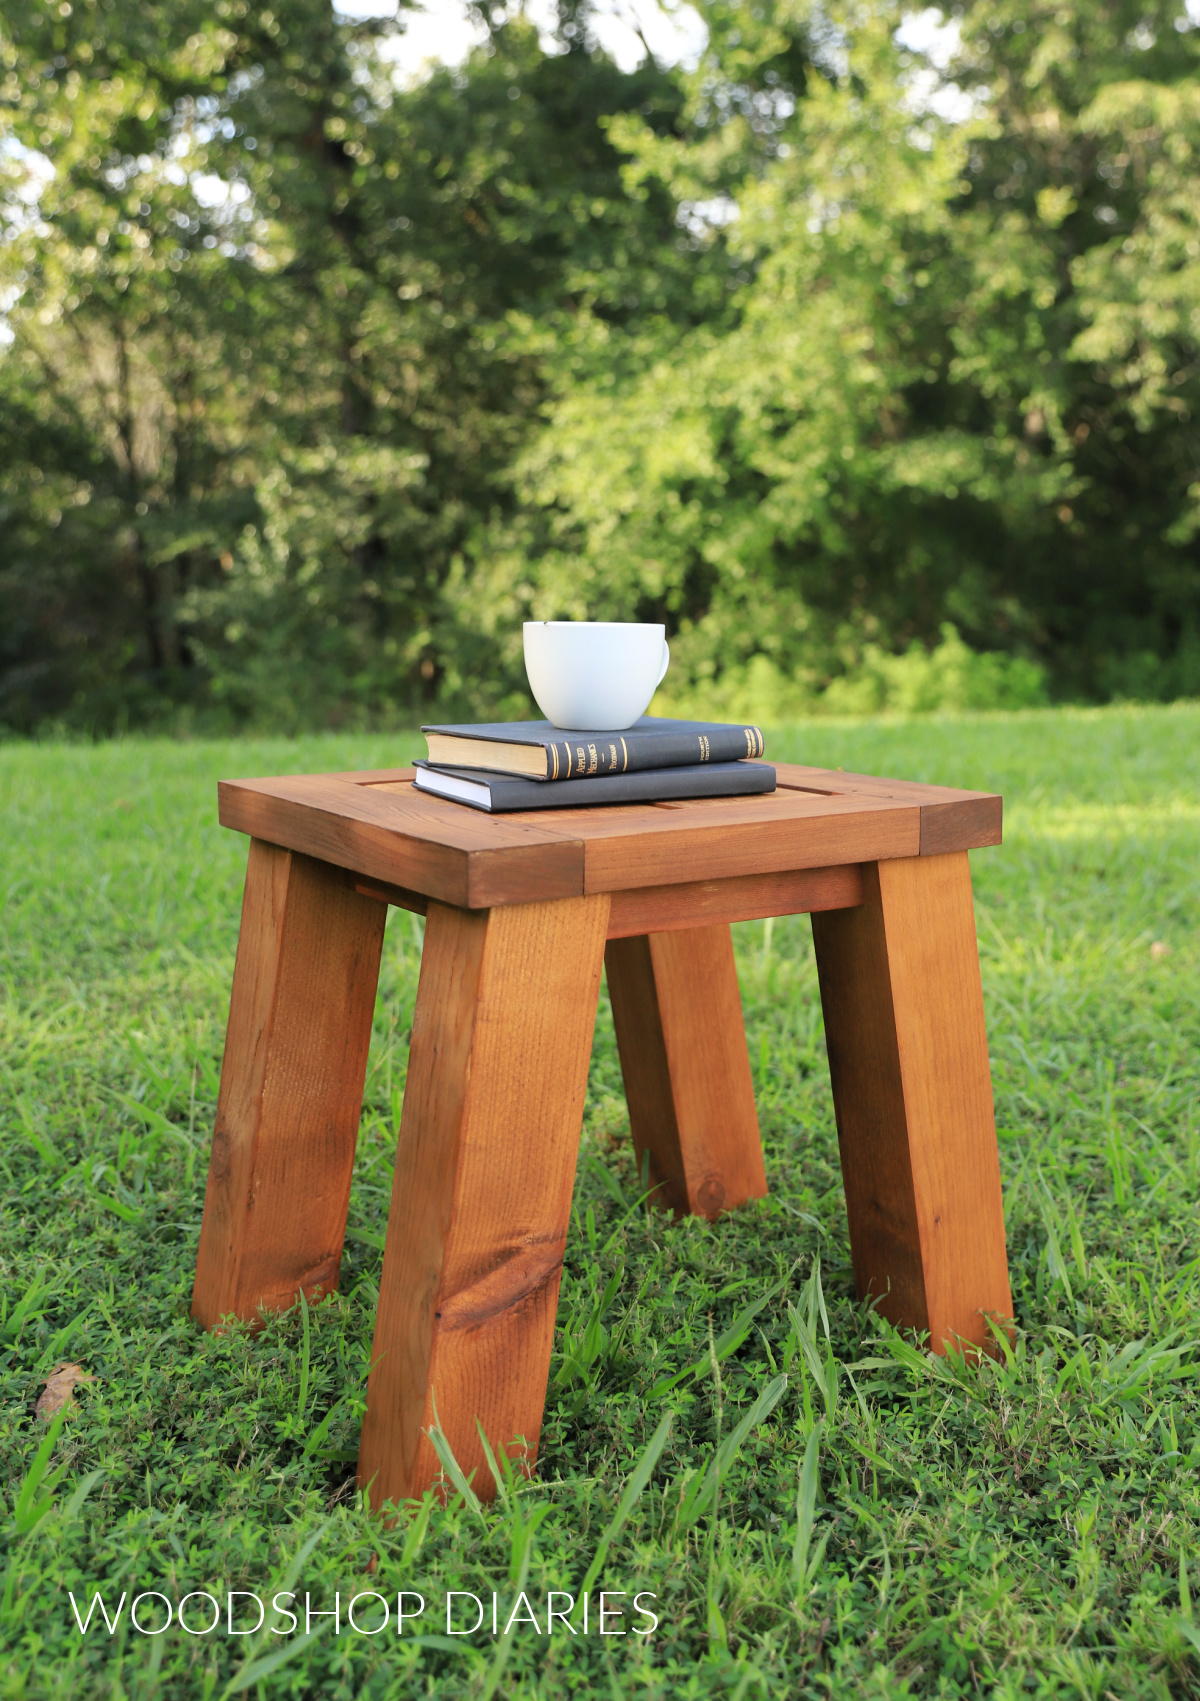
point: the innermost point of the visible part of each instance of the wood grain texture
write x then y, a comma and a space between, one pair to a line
951, 819
481, 1198
743, 897
908, 1060
398, 896
721, 838
409, 839
291, 1088
677, 1013
967, 824
380, 826
835, 782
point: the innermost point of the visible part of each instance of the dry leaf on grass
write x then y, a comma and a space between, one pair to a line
1159, 950
59, 1389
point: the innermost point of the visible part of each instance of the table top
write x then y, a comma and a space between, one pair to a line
377, 824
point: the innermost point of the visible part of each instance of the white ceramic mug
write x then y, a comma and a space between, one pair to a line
594, 675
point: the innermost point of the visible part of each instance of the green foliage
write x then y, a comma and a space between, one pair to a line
319, 384
949, 676
954, 383
278, 328
893, 1525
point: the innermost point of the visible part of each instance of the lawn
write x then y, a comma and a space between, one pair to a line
893, 1524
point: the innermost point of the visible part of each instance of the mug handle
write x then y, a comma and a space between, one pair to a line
666, 664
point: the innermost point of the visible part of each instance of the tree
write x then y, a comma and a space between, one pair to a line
954, 380
318, 385
279, 328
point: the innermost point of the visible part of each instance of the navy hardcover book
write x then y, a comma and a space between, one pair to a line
537, 750
501, 792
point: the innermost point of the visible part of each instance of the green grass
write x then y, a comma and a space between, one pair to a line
1015, 1528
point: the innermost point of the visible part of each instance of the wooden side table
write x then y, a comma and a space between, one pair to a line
521, 911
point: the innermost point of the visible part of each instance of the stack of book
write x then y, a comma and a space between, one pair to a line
503, 765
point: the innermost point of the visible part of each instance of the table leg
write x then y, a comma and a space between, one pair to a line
481, 1199
291, 1088
908, 1059
678, 1016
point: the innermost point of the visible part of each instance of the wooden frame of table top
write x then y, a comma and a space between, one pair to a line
799, 848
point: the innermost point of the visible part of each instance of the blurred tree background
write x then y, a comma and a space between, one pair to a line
876, 379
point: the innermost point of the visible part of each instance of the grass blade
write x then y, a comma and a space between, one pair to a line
255, 1670
700, 1489
824, 1372
725, 1343
633, 1488
758, 1413
1054, 1258
493, 1467
29, 1511
302, 1400
504, 1645
255, 1666
38, 1289
806, 1503
89, 1482
450, 1464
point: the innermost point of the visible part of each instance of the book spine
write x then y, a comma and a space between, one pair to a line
726, 779
589, 757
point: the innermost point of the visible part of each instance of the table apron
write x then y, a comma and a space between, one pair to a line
694, 903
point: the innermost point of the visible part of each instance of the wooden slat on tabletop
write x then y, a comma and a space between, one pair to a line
481, 1196
837, 783
951, 819
660, 846
743, 897
424, 844
908, 1059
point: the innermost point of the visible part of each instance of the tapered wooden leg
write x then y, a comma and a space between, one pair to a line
678, 1017
481, 1199
908, 1059
291, 1088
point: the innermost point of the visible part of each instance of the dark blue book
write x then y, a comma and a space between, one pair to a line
538, 750
501, 792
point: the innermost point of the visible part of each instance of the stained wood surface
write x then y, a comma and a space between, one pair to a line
291, 1088
743, 897
908, 1060
656, 909
951, 819
677, 1013
378, 825
457, 855
715, 838
481, 1198
399, 896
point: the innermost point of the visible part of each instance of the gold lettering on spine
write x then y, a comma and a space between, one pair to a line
593, 759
